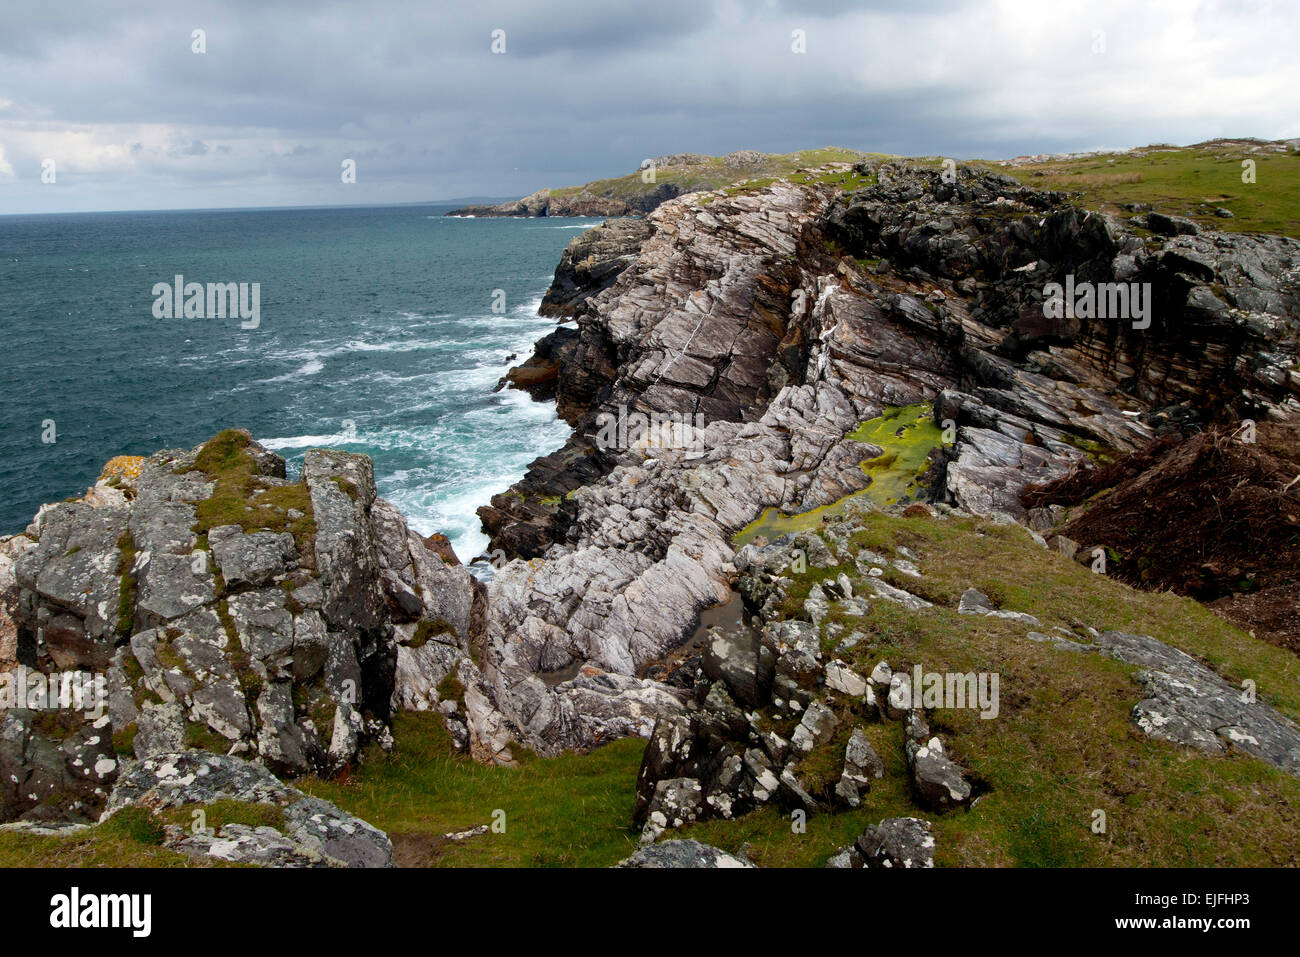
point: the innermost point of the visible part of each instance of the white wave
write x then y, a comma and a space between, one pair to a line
530, 306
311, 367
359, 345
310, 441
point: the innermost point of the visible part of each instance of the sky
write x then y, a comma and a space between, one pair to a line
109, 105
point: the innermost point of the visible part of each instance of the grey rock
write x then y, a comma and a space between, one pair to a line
975, 602
840, 677
1189, 704
161, 729
315, 831
897, 842
743, 663
265, 627
682, 853
170, 588
937, 781
862, 765
254, 558
55, 770
816, 726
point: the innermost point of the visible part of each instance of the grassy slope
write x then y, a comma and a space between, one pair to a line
1063, 744
572, 811
130, 838
1189, 181
713, 173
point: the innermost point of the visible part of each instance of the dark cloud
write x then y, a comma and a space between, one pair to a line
413, 92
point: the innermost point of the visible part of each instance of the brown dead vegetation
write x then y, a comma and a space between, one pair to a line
1212, 517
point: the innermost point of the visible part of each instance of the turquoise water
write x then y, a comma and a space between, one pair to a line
378, 317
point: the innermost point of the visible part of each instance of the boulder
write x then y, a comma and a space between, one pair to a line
743, 663
862, 765
897, 842
682, 853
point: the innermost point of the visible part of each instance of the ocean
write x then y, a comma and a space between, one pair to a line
378, 329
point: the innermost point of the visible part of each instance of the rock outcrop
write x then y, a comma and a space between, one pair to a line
785, 315
220, 606
546, 202
591, 263
803, 709
310, 832
894, 842
728, 349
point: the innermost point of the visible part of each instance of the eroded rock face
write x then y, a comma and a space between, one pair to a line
546, 203
735, 308
741, 311
285, 635
55, 767
591, 263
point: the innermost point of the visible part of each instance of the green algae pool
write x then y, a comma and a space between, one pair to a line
906, 433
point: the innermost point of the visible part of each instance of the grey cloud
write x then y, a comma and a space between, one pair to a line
588, 89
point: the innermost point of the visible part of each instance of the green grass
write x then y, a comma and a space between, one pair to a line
908, 434
1063, 743
1062, 746
130, 838
429, 628
1190, 182
750, 186
242, 498
846, 180
126, 586
713, 173
573, 810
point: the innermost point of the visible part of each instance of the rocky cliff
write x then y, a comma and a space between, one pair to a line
788, 314
817, 346
227, 610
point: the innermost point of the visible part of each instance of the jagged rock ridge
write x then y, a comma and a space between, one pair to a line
788, 314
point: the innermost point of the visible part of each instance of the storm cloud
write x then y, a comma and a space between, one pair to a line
114, 99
